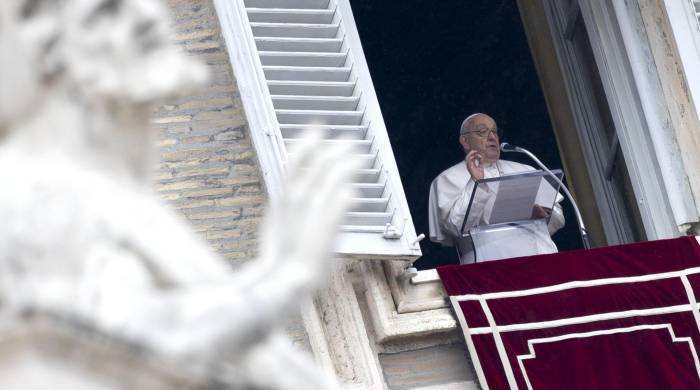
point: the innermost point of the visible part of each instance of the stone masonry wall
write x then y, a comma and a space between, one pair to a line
209, 169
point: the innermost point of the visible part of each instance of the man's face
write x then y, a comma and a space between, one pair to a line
482, 137
118, 49
121, 48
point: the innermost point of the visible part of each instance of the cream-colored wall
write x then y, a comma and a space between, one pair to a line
685, 124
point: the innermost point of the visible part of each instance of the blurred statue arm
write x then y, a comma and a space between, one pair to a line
182, 314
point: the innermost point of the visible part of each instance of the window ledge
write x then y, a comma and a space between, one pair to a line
426, 276
401, 310
374, 244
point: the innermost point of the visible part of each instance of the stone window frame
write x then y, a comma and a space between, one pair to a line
684, 24
640, 112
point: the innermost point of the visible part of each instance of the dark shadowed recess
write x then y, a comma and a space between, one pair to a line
435, 62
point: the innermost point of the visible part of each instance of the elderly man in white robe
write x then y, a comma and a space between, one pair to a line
450, 193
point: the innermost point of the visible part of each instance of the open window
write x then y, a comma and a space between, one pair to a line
601, 103
607, 117
466, 57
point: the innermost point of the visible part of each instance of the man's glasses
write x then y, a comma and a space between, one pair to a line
484, 133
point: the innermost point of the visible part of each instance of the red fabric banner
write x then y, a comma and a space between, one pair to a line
620, 317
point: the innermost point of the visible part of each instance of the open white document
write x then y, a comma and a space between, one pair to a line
516, 198
546, 195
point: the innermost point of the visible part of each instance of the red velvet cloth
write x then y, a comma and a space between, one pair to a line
609, 332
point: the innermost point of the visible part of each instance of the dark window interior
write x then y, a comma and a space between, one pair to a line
435, 62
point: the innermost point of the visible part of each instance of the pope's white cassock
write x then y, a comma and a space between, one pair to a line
449, 200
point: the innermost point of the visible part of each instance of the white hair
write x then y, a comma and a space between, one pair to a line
467, 120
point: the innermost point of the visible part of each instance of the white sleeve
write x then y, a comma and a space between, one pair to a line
456, 213
556, 220
448, 205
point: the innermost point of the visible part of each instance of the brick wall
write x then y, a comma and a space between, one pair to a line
209, 169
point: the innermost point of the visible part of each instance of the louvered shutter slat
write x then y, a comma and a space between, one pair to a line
368, 218
363, 228
365, 161
297, 73
294, 30
319, 117
299, 44
285, 15
282, 58
367, 175
370, 190
298, 102
302, 4
329, 131
356, 146
369, 204
312, 88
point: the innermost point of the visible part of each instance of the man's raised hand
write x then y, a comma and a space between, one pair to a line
474, 165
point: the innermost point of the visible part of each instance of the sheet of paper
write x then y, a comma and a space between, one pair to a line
546, 195
515, 199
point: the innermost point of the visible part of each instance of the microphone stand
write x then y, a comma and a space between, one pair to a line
505, 147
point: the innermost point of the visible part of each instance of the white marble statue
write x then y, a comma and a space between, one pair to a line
83, 235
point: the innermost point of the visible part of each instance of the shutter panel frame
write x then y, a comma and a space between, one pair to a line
304, 65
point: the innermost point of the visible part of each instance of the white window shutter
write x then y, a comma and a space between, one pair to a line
309, 59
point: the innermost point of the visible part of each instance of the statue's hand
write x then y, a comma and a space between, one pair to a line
303, 221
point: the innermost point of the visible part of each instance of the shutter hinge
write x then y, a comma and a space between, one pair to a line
392, 232
408, 274
416, 242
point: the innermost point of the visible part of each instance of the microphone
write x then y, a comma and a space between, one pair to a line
506, 147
